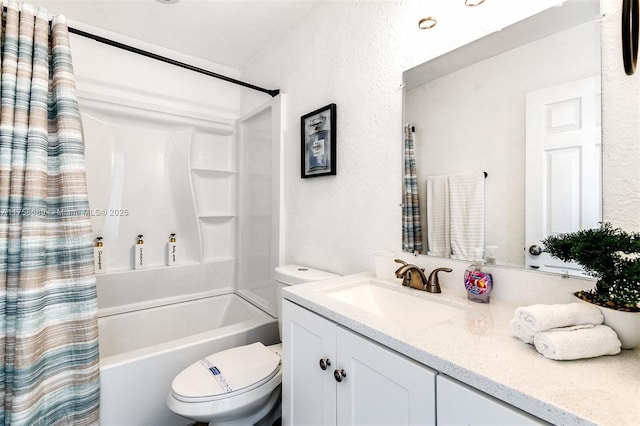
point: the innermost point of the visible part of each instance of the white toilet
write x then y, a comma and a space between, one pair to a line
238, 386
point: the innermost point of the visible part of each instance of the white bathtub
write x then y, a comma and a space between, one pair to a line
141, 352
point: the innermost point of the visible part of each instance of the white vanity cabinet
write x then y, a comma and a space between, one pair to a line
362, 383
459, 404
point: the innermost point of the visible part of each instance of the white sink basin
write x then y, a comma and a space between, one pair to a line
400, 308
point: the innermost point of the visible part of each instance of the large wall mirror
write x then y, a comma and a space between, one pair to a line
522, 105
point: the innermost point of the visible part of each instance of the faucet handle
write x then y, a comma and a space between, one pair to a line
433, 283
398, 270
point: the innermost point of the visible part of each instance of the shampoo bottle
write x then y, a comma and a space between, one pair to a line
100, 256
172, 248
478, 281
138, 254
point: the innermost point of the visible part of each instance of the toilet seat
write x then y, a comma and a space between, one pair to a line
226, 374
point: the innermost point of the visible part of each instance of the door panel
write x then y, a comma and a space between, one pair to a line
381, 387
459, 404
308, 392
563, 166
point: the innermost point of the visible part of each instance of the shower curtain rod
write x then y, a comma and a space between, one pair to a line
155, 56
161, 58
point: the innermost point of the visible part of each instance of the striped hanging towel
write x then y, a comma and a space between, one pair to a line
466, 200
411, 226
438, 216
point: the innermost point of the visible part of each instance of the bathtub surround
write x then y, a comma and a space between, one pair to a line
204, 168
49, 332
204, 171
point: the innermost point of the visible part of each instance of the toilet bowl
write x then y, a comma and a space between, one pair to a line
241, 385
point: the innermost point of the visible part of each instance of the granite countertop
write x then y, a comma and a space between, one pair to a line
477, 348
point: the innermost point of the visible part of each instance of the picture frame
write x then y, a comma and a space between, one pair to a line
318, 142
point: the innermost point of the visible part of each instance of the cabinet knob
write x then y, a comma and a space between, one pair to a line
339, 374
324, 363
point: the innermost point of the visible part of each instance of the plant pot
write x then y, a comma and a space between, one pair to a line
625, 324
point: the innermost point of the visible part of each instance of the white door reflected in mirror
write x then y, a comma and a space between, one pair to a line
563, 166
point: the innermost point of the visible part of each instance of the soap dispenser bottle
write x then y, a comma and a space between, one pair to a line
100, 257
138, 254
172, 247
478, 281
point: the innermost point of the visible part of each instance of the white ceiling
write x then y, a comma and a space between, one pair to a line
228, 32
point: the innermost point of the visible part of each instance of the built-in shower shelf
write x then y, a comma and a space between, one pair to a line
215, 193
210, 260
219, 260
148, 268
260, 216
213, 217
218, 234
212, 172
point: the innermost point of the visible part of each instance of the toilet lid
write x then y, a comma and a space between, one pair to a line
234, 370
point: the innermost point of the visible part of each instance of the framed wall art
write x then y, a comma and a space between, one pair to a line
318, 142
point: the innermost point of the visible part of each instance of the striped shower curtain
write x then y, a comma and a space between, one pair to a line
48, 309
411, 228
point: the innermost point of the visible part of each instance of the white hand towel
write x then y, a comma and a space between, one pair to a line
438, 236
466, 202
585, 343
543, 317
525, 333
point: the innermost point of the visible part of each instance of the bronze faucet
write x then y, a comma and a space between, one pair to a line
414, 277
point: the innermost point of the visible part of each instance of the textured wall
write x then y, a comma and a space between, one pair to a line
353, 53
621, 128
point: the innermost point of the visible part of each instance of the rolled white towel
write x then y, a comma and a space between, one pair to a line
525, 333
544, 317
584, 343
522, 331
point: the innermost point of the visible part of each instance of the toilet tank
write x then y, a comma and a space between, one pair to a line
287, 275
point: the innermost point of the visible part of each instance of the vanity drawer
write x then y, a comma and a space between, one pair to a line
459, 404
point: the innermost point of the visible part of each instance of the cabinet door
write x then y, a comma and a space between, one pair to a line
459, 404
381, 387
308, 392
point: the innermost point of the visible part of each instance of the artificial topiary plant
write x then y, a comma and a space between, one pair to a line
609, 254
